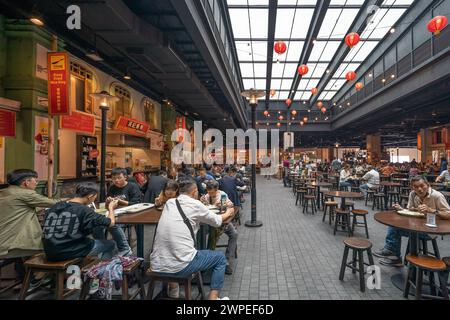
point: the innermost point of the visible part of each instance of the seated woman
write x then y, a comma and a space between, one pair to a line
220, 199
169, 191
68, 224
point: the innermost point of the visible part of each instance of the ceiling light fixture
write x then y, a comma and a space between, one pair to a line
93, 54
392, 30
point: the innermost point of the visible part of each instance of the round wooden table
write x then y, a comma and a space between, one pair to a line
386, 184
318, 185
413, 225
343, 195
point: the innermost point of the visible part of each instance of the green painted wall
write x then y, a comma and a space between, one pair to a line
18, 81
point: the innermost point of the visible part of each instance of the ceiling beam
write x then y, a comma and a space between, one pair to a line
270, 40
358, 25
303, 39
313, 32
312, 6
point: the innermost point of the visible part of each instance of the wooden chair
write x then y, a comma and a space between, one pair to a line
186, 282
420, 264
39, 263
133, 270
358, 247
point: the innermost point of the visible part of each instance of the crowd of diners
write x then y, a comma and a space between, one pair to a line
425, 183
188, 197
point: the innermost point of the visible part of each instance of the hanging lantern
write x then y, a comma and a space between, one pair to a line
323, 109
314, 91
319, 104
350, 76
437, 24
305, 119
280, 118
272, 92
302, 123
352, 39
359, 86
288, 102
266, 113
280, 47
278, 124
294, 112
303, 69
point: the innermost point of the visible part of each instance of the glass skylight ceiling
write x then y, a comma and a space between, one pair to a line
250, 18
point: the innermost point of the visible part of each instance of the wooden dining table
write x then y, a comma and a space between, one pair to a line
344, 195
415, 226
146, 217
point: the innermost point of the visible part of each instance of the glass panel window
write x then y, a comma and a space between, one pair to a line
81, 85
123, 106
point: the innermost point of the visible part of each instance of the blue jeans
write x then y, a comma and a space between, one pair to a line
103, 248
393, 240
345, 184
286, 181
117, 234
205, 260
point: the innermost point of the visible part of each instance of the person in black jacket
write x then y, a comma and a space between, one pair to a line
229, 184
155, 186
127, 193
68, 224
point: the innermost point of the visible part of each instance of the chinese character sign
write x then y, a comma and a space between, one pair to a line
58, 83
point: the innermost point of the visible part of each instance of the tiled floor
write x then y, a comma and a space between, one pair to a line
293, 255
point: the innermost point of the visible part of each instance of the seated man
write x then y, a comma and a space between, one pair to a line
126, 194
344, 177
220, 200
423, 199
68, 224
444, 176
174, 249
202, 178
20, 230
373, 181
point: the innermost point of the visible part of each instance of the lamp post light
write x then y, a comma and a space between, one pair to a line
252, 95
104, 99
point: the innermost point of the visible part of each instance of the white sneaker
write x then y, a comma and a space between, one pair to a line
94, 286
223, 298
173, 293
125, 253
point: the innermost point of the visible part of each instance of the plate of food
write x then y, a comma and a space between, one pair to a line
102, 211
409, 213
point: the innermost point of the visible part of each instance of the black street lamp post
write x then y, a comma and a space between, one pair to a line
253, 95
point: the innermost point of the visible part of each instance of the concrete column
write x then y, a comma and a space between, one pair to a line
373, 148
426, 139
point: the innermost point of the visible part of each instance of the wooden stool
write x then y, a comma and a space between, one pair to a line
301, 192
186, 282
342, 220
349, 205
363, 214
423, 248
354, 189
133, 270
369, 195
309, 199
358, 247
39, 263
405, 198
421, 264
331, 206
378, 201
394, 196
15, 281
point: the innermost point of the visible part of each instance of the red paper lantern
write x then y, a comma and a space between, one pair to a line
352, 39
314, 91
351, 75
323, 109
294, 112
278, 124
359, 86
288, 102
303, 69
280, 47
272, 92
266, 113
437, 24
319, 104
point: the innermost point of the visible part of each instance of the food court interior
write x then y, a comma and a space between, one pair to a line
355, 95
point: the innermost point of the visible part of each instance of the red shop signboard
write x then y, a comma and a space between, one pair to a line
58, 67
79, 121
132, 126
180, 124
7, 123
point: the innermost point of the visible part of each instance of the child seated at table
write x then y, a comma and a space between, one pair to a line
220, 199
68, 224
169, 191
